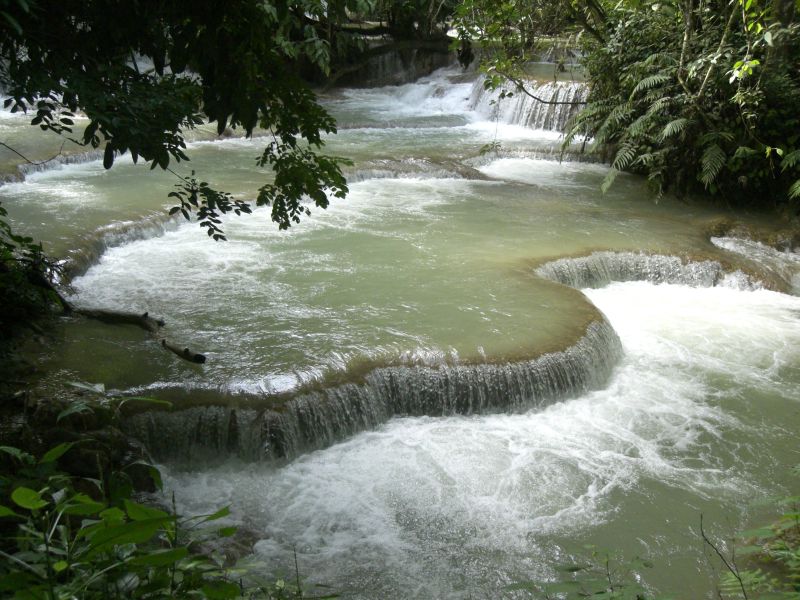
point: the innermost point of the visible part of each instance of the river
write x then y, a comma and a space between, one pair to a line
456, 378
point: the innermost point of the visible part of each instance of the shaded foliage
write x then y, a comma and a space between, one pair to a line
698, 97
145, 72
25, 289
69, 535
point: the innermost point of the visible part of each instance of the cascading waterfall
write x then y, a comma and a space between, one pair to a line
601, 268
784, 264
76, 158
318, 419
551, 108
94, 245
403, 301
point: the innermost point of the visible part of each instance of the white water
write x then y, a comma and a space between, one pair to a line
457, 507
434, 264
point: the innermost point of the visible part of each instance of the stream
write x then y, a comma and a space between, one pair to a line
458, 377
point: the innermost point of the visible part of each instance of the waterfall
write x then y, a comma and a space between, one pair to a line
318, 419
601, 268
94, 245
522, 109
782, 264
26, 169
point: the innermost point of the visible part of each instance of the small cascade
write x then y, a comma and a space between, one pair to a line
116, 234
601, 268
26, 169
783, 264
551, 152
412, 168
318, 419
554, 104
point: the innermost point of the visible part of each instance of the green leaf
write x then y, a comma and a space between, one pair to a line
139, 512
673, 128
528, 586
222, 512
72, 409
112, 514
790, 160
761, 532
28, 498
221, 590
20, 455
55, 453
749, 550
7, 512
104, 536
650, 82
161, 558
108, 156
60, 566
83, 505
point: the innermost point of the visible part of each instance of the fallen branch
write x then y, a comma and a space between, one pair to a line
145, 321
184, 353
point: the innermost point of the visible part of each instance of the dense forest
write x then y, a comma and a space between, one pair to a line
700, 97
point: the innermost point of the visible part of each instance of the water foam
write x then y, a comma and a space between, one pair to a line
460, 506
319, 419
785, 264
601, 268
550, 106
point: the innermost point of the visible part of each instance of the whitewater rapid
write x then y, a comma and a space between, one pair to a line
455, 506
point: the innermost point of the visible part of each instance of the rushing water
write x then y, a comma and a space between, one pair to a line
458, 376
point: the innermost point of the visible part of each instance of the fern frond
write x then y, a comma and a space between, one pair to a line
640, 126
648, 159
716, 136
673, 128
653, 95
659, 58
744, 152
649, 83
794, 191
659, 105
655, 180
608, 180
611, 124
790, 160
625, 156
712, 161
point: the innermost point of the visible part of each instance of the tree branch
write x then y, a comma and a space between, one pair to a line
521, 87
732, 568
722, 42
28, 160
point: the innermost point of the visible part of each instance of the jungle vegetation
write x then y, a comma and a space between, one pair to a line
700, 96
697, 95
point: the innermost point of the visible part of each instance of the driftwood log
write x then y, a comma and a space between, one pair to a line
145, 321
184, 353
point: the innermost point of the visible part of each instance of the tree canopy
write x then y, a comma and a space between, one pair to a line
698, 95
144, 73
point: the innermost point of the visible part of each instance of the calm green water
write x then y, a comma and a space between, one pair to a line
430, 261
